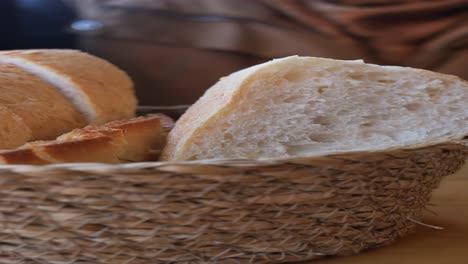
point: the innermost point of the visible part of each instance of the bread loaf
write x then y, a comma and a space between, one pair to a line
45, 111
50, 92
304, 106
137, 139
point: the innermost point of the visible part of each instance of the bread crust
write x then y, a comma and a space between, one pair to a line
95, 149
137, 139
21, 156
43, 109
107, 90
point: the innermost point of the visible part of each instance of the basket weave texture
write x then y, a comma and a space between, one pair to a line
217, 211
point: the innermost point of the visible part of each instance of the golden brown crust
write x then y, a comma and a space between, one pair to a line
21, 156
43, 109
137, 139
144, 136
136, 134
13, 131
96, 149
107, 89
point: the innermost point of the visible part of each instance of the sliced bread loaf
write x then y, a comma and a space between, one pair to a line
305, 106
137, 139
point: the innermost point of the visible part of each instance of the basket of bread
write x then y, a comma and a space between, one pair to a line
294, 159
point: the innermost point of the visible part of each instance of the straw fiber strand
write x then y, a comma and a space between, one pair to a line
217, 211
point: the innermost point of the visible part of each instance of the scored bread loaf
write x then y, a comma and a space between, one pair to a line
54, 91
137, 139
98, 89
44, 110
305, 106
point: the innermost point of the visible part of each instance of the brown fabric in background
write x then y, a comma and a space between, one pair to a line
404, 33
175, 49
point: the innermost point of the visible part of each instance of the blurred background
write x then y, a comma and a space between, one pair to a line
175, 49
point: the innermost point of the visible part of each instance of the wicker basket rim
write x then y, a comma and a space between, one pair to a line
239, 163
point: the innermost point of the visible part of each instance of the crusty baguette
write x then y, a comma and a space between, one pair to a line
44, 110
99, 90
93, 149
304, 106
21, 156
137, 139
46, 93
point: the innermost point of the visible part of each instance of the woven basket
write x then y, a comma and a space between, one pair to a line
233, 211
217, 211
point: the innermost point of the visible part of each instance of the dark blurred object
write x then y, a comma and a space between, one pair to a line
7, 24
175, 49
29, 24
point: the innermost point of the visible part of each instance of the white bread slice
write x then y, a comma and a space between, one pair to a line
44, 110
137, 139
305, 106
13, 131
100, 91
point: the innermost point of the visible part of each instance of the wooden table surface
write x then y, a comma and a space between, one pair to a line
427, 245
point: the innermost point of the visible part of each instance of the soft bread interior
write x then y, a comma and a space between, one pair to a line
67, 88
301, 106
